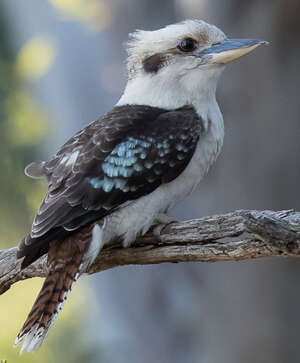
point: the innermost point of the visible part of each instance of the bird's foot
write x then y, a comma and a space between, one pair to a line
161, 221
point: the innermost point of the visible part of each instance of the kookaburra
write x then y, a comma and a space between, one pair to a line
122, 173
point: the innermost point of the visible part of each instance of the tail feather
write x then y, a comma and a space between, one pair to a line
67, 259
47, 306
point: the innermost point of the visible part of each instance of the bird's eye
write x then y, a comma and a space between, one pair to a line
187, 45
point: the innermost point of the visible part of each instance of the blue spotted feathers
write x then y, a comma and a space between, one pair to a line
126, 154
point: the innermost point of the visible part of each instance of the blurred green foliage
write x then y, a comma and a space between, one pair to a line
95, 15
23, 125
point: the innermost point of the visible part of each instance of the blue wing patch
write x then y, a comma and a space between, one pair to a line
141, 158
124, 160
125, 155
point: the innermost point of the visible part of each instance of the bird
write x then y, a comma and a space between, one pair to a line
122, 174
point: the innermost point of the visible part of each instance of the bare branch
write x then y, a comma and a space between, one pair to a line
234, 236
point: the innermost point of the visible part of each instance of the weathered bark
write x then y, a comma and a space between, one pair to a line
234, 236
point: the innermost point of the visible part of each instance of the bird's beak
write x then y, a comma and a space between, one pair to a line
229, 50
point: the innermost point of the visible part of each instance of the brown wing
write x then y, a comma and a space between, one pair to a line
121, 157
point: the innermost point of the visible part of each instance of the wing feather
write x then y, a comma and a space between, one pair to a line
123, 156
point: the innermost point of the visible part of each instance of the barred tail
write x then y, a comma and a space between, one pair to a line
54, 293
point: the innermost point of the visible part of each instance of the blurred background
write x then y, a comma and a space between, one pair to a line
62, 66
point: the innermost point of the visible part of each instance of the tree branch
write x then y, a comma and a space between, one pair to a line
234, 236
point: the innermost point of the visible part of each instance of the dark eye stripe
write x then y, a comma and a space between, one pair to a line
154, 63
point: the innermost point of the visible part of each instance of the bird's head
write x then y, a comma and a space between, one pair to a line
171, 66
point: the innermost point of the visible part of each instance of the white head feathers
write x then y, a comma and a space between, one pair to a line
144, 43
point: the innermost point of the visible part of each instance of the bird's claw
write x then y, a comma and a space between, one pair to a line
162, 221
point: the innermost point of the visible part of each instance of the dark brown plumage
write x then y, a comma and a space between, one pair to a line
72, 201
126, 154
